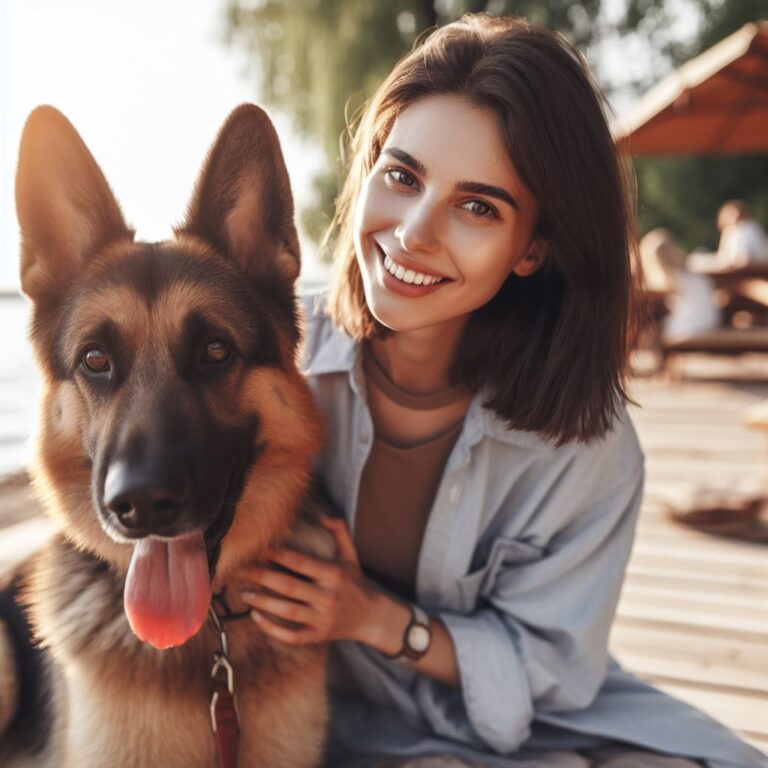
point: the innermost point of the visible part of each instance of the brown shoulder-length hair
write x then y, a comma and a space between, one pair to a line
549, 350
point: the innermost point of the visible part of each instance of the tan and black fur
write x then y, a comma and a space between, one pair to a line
235, 438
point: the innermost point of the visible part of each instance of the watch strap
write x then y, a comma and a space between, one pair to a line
419, 618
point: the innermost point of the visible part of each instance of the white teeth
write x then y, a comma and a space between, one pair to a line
409, 275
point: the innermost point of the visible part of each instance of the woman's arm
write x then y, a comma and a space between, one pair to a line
385, 634
537, 639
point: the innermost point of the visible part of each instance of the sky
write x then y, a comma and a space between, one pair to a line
147, 84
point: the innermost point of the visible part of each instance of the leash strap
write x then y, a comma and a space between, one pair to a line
225, 721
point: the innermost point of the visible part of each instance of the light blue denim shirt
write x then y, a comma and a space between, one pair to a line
522, 559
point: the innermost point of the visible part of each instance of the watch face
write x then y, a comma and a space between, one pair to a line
418, 638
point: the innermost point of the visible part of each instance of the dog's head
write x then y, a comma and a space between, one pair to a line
176, 434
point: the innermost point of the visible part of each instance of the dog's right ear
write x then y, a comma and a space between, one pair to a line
65, 208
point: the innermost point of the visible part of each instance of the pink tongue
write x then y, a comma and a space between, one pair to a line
168, 589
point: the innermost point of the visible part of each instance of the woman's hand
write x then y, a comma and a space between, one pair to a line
333, 601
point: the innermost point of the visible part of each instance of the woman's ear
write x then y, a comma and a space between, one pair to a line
534, 258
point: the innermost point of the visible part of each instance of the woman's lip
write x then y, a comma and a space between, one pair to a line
384, 254
401, 288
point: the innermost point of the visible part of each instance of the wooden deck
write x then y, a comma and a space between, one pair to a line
693, 616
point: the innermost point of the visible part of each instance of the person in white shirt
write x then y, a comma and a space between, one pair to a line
743, 241
690, 296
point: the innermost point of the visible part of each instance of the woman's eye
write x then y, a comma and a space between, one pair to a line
216, 351
481, 209
401, 177
95, 360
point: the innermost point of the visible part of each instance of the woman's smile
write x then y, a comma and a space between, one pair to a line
403, 278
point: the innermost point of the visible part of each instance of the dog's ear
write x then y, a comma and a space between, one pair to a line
65, 208
242, 202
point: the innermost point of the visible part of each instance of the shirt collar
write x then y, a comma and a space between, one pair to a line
339, 353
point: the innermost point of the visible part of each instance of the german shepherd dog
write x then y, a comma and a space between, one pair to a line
175, 446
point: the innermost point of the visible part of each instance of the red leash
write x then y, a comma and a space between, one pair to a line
225, 720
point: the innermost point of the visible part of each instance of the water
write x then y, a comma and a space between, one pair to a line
19, 385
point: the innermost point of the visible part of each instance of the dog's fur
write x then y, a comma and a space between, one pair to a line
242, 433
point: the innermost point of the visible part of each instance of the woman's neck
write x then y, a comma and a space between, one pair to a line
420, 360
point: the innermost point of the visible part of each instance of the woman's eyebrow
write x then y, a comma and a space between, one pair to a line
406, 159
463, 186
489, 190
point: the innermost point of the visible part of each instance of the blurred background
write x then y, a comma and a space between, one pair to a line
148, 83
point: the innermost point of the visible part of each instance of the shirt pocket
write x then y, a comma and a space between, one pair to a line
505, 553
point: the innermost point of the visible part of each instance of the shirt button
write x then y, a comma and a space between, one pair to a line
454, 493
363, 437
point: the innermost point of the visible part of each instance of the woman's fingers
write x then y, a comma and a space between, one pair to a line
321, 571
285, 584
283, 634
276, 606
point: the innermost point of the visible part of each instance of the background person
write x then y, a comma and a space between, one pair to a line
690, 297
743, 242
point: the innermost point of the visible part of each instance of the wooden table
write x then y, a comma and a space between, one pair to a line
748, 283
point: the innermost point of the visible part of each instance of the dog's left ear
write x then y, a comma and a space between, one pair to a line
242, 202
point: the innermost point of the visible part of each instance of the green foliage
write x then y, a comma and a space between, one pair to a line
683, 194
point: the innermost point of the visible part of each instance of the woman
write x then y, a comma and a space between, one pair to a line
471, 360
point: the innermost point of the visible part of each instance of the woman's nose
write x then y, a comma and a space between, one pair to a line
418, 230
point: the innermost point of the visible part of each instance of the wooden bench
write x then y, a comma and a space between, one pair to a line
722, 341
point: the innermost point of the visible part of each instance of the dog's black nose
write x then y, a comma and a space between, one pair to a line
145, 502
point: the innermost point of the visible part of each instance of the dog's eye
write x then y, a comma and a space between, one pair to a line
95, 360
216, 351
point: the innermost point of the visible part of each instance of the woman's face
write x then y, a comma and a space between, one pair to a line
444, 210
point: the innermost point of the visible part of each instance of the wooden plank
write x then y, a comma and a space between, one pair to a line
696, 398
722, 474
711, 653
741, 712
728, 428
694, 622
676, 534
697, 599
709, 547
19, 540
700, 583
695, 560
757, 741
722, 678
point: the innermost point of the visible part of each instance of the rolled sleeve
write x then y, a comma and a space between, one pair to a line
537, 639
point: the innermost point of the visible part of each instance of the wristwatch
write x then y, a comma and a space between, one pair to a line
416, 638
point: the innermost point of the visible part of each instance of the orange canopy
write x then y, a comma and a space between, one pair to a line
715, 103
